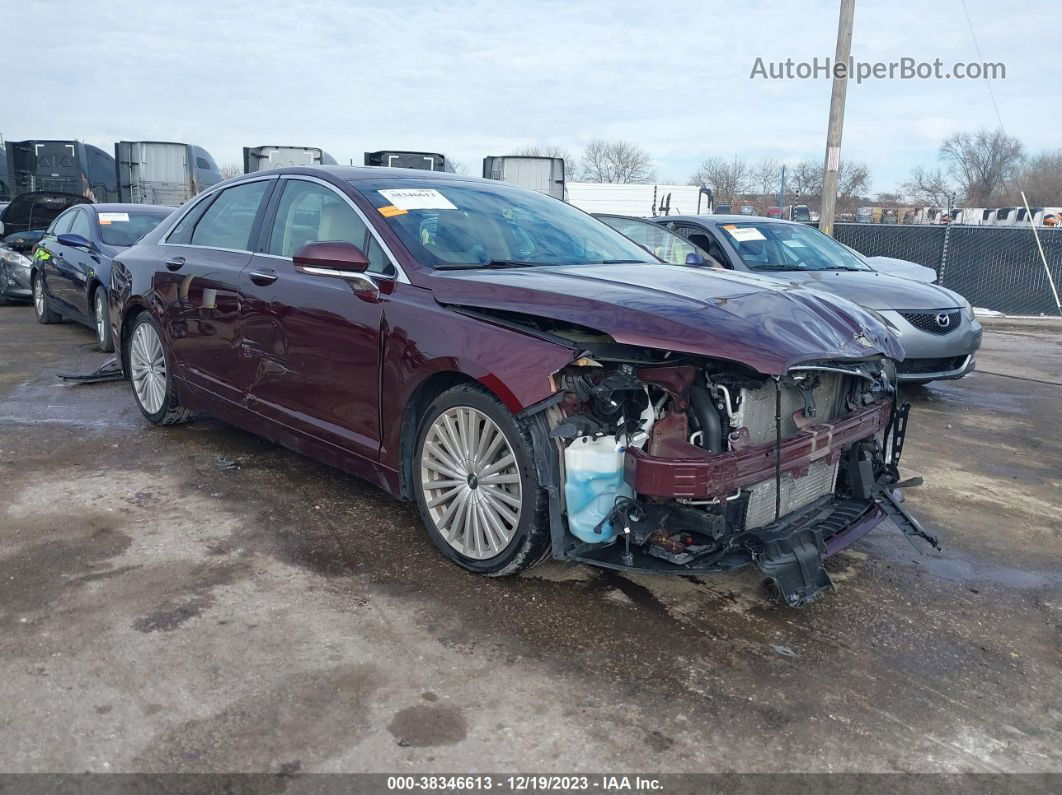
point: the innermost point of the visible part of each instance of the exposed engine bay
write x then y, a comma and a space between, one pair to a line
676, 464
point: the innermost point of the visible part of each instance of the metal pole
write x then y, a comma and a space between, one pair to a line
836, 126
781, 195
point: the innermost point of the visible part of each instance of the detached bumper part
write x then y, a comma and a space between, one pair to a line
794, 563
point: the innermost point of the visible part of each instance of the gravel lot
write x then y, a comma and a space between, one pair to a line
161, 612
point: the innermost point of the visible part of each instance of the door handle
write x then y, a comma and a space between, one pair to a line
175, 264
264, 277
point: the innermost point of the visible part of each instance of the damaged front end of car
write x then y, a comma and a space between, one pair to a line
678, 464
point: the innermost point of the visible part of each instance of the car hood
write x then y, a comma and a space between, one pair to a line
875, 290
36, 210
23, 241
720, 314
902, 268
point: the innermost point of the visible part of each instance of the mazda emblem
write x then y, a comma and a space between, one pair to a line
943, 320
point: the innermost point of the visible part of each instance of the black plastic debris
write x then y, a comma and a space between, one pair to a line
108, 371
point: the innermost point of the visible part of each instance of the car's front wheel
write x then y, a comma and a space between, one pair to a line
477, 486
102, 320
44, 313
151, 374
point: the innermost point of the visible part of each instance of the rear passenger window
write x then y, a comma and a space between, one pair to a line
229, 220
309, 212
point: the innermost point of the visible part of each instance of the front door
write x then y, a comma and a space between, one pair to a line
73, 264
197, 279
312, 342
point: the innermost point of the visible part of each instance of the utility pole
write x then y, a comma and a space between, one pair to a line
781, 195
836, 126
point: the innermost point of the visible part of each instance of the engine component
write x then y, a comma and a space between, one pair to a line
707, 419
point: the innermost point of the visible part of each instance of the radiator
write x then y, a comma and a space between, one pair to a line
796, 493
756, 411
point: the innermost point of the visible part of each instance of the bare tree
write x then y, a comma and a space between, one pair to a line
929, 187
982, 162
230, 170
853, 179
728, 179
616, 161
1041, 178
571, 164
766, 175
805, 180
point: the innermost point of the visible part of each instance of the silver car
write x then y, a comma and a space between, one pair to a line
936, 326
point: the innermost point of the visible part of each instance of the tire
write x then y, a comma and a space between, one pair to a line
102, 320
494, 522
45, 314
150, 371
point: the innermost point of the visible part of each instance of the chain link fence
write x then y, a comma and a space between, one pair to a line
993, 267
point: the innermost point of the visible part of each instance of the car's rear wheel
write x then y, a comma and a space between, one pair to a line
151, 374
102, 320
477, 486
40, 303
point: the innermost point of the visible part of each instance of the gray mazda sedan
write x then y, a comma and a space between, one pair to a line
936, 326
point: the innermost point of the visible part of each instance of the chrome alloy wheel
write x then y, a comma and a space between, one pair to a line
147, 367
471, 482
38, 296
101, 318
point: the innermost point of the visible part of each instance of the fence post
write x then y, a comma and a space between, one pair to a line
944, 254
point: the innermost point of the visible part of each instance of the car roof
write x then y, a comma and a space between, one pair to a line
116, 207
353, 173
727, 219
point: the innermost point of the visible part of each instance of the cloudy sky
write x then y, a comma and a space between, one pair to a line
481, 77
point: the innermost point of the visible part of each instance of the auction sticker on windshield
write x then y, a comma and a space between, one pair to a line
417, 199
106, 218
744, 233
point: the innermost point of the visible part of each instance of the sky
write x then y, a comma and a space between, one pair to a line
479, 78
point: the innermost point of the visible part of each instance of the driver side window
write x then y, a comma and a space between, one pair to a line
61, 225
706, 240
308, 212
81, 225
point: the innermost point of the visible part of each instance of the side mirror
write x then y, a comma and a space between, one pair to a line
693, 258
75, 241
338, 257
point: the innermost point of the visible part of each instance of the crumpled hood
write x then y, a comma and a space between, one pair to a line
876, 290
720, 314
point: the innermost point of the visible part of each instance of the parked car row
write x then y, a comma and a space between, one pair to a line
539, 383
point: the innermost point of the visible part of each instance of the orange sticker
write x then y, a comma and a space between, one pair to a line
390, 210
729, 226
104, 222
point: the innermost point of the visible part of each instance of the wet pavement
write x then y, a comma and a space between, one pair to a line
193, 598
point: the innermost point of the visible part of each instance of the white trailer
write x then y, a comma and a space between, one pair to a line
260, 158
639, 201
162, 172
542, 174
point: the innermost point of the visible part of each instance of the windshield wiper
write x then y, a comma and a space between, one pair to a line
621, 262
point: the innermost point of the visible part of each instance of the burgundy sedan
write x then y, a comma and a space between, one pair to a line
538, 383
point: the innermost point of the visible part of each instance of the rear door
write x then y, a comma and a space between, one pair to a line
197, 279
312, 342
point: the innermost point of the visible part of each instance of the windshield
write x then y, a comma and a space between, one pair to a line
789, 247
449, 224
662, 242
125, 228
